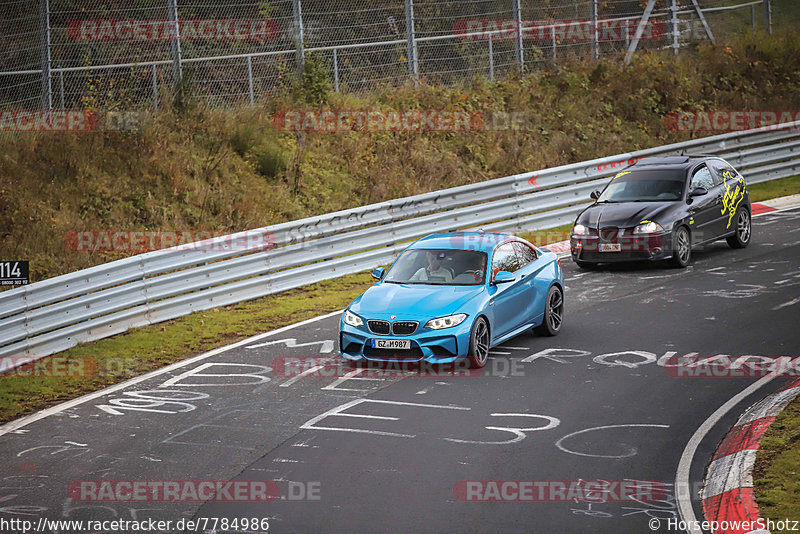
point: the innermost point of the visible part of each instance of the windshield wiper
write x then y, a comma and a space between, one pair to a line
606, 202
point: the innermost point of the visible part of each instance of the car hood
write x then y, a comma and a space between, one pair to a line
413, 300
626, 214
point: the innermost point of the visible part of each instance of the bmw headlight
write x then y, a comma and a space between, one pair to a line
580, 229
648, 227
446, 322
352, 319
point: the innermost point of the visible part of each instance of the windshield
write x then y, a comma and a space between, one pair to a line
439, 267
651, 185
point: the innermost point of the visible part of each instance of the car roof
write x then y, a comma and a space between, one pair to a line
481, 241
672, 162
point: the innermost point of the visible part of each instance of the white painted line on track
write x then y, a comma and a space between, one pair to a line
24, 421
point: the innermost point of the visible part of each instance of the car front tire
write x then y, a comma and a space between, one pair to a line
681, 248
478, 344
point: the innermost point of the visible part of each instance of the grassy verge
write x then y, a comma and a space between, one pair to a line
774, 189
777, 470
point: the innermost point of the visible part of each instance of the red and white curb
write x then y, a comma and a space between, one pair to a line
727, 494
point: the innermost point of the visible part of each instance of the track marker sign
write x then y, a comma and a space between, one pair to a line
14, 273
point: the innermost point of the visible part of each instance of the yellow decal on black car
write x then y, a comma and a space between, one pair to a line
731, 199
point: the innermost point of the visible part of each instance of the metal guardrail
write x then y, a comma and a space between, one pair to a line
52, 315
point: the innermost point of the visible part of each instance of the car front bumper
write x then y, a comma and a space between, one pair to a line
639, 247
433, 346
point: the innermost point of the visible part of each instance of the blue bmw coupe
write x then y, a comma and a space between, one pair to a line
455, 295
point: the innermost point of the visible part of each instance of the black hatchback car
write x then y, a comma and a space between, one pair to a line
660, 208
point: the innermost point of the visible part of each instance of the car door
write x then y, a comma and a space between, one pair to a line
730, 191
704, 210
508, 301
531, 270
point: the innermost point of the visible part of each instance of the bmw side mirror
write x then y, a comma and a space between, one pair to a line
503, 277
698, 192
595, 195
378, 273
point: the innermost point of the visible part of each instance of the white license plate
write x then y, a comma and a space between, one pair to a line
610, 247
391, 344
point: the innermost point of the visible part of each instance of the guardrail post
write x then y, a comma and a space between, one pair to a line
593, 17
336, 70
491, 57
175, 42
768, 16
553, 38
413, 59
520, 52
250, 80
674, 9
47, 84
299, 37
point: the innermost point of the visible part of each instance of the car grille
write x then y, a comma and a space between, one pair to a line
414, 353
404, 328
612, 257
378, 327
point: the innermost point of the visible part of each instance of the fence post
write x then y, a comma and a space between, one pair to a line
250, 80
61, 84
593, 17
299, 38
411, 37
336, 70
768, 16
155, 89
175, 41
674, 9
491, 57
47, 84
553, 37
518, 44
639, 31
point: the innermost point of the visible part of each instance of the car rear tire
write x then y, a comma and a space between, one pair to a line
744, 230
681, 248
553, 313
478, 344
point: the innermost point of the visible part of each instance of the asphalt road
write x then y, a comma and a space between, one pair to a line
350, 454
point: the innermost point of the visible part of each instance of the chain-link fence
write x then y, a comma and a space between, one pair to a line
128, 54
